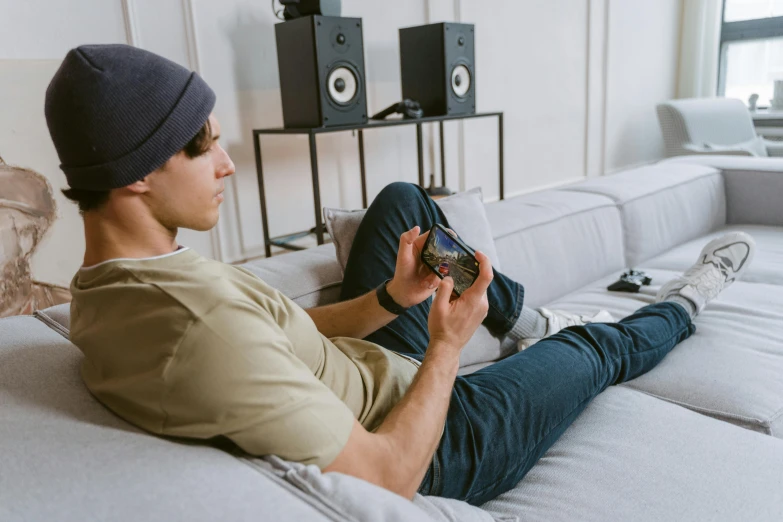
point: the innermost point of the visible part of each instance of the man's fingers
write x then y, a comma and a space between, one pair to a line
431, 281
441, 300
412, 234
418, 243
485, 276
406, 241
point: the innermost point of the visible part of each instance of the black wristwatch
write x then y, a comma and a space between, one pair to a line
386, 300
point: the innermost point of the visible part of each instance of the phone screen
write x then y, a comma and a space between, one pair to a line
446, 257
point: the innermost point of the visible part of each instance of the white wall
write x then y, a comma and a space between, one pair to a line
642, 69
577, 80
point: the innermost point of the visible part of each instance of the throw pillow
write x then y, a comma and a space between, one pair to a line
464, 212
350, 498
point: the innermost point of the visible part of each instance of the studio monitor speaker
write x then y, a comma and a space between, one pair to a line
438, 67
322, 78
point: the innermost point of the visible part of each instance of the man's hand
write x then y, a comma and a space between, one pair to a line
413, 282
452, 322
396, 455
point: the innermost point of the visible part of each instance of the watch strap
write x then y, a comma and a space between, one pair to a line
386, 301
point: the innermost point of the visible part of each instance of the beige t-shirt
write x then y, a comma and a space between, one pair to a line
183, 345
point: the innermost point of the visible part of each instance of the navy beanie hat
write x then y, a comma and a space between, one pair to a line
116, 113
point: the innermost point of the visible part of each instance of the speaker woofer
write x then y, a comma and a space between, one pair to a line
342, 85
460, 80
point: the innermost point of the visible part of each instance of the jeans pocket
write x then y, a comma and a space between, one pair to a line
426, 483
431, 483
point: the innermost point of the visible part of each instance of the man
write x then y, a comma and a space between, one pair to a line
186, 346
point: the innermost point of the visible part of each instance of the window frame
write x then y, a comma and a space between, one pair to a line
743, 31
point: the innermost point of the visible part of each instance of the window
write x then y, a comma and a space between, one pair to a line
751, 49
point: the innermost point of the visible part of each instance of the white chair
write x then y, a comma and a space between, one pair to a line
712, 126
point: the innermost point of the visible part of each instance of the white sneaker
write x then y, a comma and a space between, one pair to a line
720, 263
556, 320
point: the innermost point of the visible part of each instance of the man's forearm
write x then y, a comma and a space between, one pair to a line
413, 428
356, 318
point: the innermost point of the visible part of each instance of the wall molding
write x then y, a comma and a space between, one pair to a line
596, 82
194, 62
131, 25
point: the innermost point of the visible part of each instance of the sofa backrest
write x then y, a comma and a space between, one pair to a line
309, 277
555, 242
662, 206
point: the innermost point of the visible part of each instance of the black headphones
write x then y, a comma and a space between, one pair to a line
408, 108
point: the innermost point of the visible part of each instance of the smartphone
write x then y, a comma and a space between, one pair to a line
446, 255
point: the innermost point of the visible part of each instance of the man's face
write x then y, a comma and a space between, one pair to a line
187, 192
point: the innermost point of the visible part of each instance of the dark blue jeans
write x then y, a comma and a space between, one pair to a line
504, 417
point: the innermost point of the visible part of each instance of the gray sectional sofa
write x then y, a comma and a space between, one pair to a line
698, 438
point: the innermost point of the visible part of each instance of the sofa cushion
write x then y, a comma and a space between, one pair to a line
554, 242
66, 457
730, 369
662, 206
632, 457
767, 266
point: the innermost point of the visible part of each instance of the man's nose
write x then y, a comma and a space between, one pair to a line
227, 166
229, 169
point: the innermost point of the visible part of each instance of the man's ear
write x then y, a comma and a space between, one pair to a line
139, 187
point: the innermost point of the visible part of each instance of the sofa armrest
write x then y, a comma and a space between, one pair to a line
753, 197
753, 187
774, 148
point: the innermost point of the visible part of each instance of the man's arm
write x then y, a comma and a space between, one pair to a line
356, 318
359, 317
397, 455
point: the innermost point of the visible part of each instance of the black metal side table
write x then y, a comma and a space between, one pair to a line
372, 124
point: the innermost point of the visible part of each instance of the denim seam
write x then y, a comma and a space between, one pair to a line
588, 399
513, 470
657, 347
436, 487
421, 489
